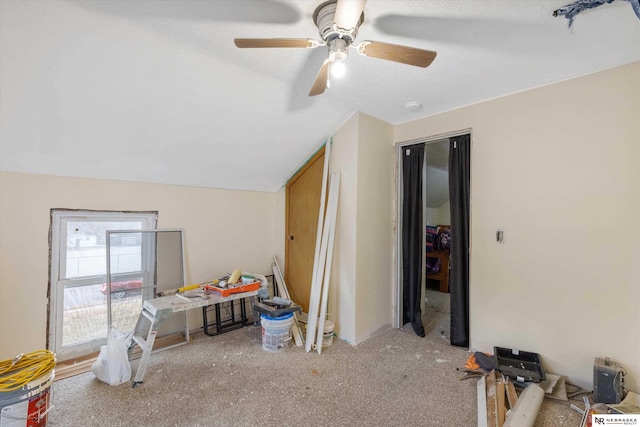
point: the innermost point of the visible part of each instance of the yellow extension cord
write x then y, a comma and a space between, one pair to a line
16, 372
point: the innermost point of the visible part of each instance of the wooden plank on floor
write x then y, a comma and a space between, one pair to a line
512, 396
482, 401
67, 369
500, 401
492, 400
80, 365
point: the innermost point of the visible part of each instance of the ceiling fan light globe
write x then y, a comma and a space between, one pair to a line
338, 69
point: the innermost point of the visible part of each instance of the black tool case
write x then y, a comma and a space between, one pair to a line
275, 310
522, 366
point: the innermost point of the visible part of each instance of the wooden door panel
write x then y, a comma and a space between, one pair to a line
302, 205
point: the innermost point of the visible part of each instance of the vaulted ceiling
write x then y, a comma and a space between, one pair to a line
156, 91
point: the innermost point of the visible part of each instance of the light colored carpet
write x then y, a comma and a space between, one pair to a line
394, 378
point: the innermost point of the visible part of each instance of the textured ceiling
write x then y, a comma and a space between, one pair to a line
155, 91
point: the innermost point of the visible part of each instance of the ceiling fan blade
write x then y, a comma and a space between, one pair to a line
320, 84
259, 43
397, 53
348, 13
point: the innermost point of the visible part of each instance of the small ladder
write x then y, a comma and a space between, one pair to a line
144, 335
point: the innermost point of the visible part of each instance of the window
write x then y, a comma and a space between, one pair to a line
78, 291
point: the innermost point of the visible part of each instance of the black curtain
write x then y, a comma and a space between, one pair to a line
459, 183
412, 232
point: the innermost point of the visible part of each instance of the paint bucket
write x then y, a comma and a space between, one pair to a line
276, 332
27, 406
327, 333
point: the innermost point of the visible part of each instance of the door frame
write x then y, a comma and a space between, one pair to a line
397, 253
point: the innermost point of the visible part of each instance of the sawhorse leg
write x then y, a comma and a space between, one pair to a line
230, 324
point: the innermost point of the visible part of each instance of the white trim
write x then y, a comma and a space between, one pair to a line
332, 210
316, 292
433, 138
323, 196
319, 257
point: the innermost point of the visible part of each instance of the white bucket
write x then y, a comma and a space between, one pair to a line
276, 332
27, 406
327, 333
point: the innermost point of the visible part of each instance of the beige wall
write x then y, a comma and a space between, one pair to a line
556, 168
223, 230
344, 158
279, 234
374, 222
360, 289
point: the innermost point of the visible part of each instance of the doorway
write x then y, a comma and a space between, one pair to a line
433, 216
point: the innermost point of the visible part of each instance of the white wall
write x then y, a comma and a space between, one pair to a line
556, 168
439, 216
223, 230
444, 214
432, 216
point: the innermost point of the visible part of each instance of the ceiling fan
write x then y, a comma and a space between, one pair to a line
338, 22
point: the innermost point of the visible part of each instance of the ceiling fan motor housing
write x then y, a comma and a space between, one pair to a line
324, 20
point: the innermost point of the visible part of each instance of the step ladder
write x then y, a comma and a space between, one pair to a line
144, 336
154, 311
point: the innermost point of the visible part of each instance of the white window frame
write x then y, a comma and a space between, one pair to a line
57, 278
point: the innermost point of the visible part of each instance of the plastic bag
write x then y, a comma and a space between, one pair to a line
112, 365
